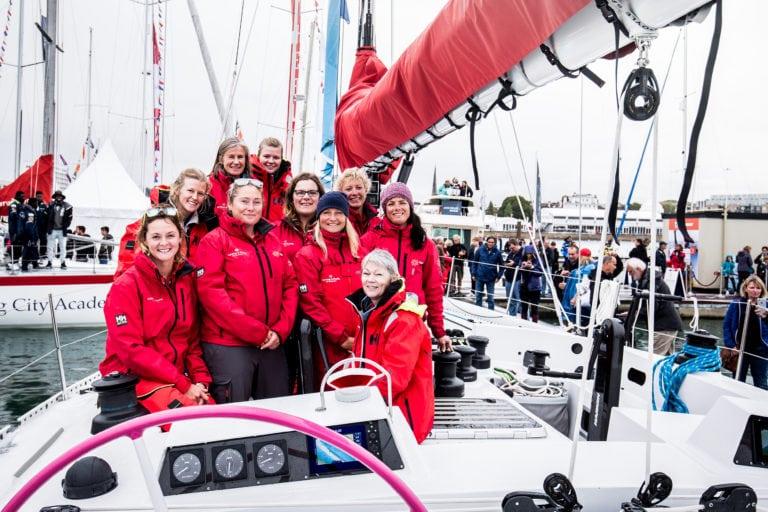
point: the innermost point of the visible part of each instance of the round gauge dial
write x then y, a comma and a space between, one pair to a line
229, 463
270, 459
187, 467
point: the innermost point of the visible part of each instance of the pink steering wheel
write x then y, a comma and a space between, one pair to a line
134, 429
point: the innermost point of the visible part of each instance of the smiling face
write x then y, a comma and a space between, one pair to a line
246, 205
191, 195
233, 161
376, 279
305, 197
397, 210
270, 158
354, 189
163, 241
332, 220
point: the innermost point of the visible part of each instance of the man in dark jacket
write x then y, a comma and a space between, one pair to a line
744, 264
512, 276
27, 237
59, 219
459, 254
15, 225
570, 264
667, 321
42, 222
488, 268
660, 259
552, 256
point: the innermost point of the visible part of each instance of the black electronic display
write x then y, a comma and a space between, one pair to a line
324, 458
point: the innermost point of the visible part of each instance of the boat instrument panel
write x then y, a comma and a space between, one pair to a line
272, 459
753, 448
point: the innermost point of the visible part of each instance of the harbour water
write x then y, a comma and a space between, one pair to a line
33, 385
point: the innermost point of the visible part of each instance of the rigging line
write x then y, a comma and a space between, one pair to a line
542, 258
647, 140
239, 32
581, 152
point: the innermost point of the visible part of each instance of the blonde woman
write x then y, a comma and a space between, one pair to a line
354, 183
746, 310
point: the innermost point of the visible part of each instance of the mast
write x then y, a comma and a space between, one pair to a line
205, 53
312, 28
88, 141
19, 76
144, 75
49, 108
293, 77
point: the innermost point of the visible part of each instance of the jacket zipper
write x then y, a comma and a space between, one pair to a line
399, 249
183, 306
269, 193
264, 285
175, 318
341, 251
269, 265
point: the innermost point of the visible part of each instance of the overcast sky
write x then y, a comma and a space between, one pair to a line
732, 150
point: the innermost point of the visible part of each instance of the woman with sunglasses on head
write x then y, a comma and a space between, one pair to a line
302, 197
152, 319
355, 184
232, 162
328, 269
400, 233
249, 296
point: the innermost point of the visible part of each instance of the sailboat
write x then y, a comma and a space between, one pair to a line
351, 450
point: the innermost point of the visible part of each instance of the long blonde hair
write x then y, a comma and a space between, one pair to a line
354, 240
193, 174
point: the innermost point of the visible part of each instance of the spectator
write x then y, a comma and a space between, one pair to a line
728, 274
530, 284
83, 249
458, 252
445, 188
512, 277
400, 232
473, 246
105, 250
611, 267
41, 219
59, 219
16, 225
552, 256
667, 321
571, 300
744, 264
639, 251
302, 197
445, 262
488, 268
269, 166
568, 242
677, 258
745, 312
761, 260
660, 260
570, 264
355, 184
27, 236
465, 189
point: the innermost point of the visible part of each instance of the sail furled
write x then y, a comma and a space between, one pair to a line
466, 46
38, 178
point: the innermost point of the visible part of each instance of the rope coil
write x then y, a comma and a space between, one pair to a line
671, 378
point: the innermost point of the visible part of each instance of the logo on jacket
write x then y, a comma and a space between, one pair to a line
303, 288
154, 299
331, 279
277, 254
237, 253
121, 319
416, 263
200, 272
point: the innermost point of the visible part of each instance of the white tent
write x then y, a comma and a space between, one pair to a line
105, 195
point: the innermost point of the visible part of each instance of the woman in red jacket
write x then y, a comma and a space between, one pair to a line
269, 166
400, 233
232, 162
302, 196
394, 335
328, 269
355, 185
152, 319
249, 296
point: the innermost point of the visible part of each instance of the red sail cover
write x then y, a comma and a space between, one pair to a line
469, 44
39, 177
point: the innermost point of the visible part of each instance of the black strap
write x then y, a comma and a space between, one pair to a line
552, 59
473, 115
405, 168
613, 209
693, 146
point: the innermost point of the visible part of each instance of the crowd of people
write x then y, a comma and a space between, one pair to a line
216, 277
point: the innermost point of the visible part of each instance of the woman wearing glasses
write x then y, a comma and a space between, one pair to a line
152, 319
249, 296
300, 212
232, 162
354, 183
328, 270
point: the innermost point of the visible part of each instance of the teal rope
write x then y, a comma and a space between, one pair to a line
670, 379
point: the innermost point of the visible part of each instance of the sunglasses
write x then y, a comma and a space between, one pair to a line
241, 182
168, 211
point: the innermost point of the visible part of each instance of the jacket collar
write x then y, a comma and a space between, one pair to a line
236, 228
334, 238
145, 266
387, 226
393, 296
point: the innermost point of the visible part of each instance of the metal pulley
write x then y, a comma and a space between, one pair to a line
641, 90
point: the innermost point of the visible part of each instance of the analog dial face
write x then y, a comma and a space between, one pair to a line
187, 467
270, 459
229, 463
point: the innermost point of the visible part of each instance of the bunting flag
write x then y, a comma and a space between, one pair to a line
6, 31
158, 75
238, 131
79, 163
337, 10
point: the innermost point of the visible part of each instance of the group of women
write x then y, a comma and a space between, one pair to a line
214, 281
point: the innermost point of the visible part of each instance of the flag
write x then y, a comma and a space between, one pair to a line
537, 215
158, 73
39, 177
337, 10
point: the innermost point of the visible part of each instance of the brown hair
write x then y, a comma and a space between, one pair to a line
271, 142
146, 221
226, 145
289, 209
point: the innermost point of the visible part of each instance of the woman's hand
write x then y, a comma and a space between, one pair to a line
198, 392
445, 344
272, 341
348, 343
761, 311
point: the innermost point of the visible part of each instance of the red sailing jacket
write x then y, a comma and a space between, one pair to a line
324, 284
129, 248
220, 183
421, 269
362, 219
153, 326
247, 287
275, 186
394, 335
291, 237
